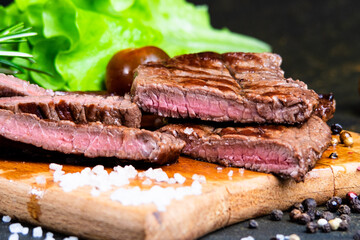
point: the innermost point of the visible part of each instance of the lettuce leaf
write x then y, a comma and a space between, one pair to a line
77, 38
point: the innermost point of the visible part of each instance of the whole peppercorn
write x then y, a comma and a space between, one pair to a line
346, 139
333, 204
309, 203
311, 213
295, 214
357, 235
333, 155
345, 217
328, 215
336, 128
318, 214
344, 226
298, 206
326, 228
335, 223
276, 215
294, 237
304, 218
351, 196
344, 209
253, 224
311, 227
321, 222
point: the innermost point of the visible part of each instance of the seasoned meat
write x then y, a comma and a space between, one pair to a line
285, 151
239, 87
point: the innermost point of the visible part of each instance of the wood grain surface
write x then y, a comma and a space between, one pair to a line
224, 200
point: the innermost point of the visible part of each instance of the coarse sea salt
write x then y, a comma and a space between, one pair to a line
37, 232
101, 180
41, 180
55, 167
6, 219
157, 195
231, 172
14, 236
71, 238
15, 228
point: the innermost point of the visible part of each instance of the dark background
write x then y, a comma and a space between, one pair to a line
319, 42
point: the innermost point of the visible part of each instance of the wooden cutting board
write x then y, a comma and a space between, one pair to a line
224, 200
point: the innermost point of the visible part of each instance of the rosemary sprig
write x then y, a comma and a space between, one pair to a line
13, 35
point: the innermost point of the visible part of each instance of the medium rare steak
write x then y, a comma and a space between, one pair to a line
91, 140
12, 86
284, 151
239, 87
79, 108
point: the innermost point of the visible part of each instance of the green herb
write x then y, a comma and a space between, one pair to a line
14, 35
77, 38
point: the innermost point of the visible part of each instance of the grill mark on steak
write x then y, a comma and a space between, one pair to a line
287, 151
239, 87
79, 108
91, 140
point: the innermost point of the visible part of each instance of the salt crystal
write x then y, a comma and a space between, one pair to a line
180, 179
248, 238
55, 167
37, 192
49, 236
71, 238
14, 236
200, 178
171, 181
6, 219
231, 172
37, 232
99, 169
241, 171
188, 131
147, 182
25, 231
219, 169
280, 237
40, 180
15, 228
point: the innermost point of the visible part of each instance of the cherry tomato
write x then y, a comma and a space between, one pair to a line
120, 69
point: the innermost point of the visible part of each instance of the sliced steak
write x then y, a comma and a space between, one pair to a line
91, 140
12, 86
239, 87
284, 151
79, 108
326, 107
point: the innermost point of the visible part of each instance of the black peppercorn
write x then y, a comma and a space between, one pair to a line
345, 217
311, 213
253, 224
311, 227
336, 128
298, 206
344, 226
344, 209
333, 155
276, 215
295, 214
326, 228
318, 214
304, 218
328, 215
357, 235
309, 203
333, 204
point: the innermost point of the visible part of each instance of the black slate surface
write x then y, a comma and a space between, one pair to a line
320, 45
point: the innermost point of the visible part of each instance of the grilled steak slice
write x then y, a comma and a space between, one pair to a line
239, 87
326, 107
91, 140
83, 108
284, 151
12, 86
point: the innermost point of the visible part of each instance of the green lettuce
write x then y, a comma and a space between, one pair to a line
77, 38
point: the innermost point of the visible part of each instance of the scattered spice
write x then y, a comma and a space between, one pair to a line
253, 224
326, 228
357, 235
345, 217
346, 139
276, 215
333, 155
311, 227
298, 206
294, 237
335, 223
344, 226
344, 209
318, 214
304, 218
311, 213
295, 214
309, 203
328, 215
321, 222
333, 204
336, 128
